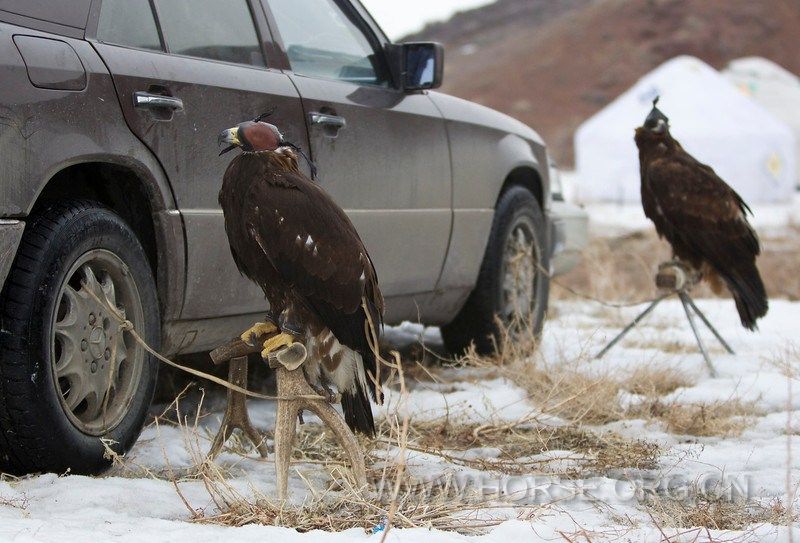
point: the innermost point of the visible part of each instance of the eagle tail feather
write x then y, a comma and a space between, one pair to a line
358, 411
749, 294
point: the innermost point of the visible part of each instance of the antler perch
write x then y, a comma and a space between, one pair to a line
292, 383
294, 396
236, 412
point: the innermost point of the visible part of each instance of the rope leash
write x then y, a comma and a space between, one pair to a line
614, 305
127, 326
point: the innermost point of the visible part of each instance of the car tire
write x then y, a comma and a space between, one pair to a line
59, 345
517, 215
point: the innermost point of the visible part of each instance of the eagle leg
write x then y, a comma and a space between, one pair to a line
289, 327
259, 329
326, 392
236, 412
291, 384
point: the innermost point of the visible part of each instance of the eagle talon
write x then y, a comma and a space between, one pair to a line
325, 391
258, 330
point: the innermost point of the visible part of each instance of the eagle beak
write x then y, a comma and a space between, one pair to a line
229, 136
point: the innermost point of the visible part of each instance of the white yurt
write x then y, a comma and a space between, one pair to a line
746, 145
772, 86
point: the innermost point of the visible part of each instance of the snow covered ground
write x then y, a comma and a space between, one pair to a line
764, 374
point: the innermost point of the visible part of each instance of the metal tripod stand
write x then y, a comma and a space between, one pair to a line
674, 278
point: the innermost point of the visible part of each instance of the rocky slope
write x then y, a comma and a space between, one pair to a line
553, 63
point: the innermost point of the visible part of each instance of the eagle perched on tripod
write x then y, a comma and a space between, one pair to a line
288, 236
703, 219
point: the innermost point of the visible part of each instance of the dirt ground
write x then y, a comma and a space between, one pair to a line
622, 269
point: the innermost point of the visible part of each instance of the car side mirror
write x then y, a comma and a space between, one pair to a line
417, 65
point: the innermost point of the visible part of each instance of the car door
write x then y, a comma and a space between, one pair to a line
185, 72
382, 154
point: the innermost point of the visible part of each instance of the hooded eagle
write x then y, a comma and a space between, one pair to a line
703, 219
288, 236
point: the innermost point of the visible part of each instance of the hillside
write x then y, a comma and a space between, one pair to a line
553, 63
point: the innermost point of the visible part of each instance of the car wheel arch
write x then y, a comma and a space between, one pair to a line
135, 195
528, 177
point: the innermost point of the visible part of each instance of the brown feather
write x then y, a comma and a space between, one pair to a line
703, 219
289, 236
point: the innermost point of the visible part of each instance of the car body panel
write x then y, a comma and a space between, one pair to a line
389, 168
485, 146
51, 64
570, 235
51, 130
216, 95
73, 13
10, 236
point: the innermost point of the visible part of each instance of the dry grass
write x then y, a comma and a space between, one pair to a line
516, 448
651, 381
510, 448
520, 448
393, 498
622, 269
19, 502
564, 388
441, 502
787, 362
717, 510
724, 418
342, 507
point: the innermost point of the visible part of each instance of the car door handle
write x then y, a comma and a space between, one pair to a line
333, 121
153, 101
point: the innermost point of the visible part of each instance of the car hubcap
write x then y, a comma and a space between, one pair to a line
519, 271
96, 366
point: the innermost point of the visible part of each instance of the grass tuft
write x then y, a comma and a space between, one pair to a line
716, 509
724, 418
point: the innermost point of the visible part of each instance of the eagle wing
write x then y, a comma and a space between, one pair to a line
705, 221
698, 210
316, 249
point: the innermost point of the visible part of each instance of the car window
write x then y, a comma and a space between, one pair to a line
214, 29
128, 22
321, 41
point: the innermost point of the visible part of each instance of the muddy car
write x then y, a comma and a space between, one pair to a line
108, 195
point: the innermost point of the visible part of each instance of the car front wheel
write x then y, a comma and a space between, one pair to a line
71, 380
512, 288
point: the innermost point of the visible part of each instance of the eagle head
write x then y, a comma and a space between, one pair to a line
656, 122
252, 137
